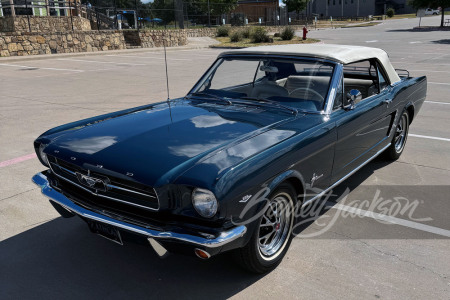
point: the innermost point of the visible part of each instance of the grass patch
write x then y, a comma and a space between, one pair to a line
226, 43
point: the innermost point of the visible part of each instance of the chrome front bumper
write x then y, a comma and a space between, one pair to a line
152, 235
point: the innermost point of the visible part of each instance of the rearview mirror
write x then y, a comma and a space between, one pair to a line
353, 97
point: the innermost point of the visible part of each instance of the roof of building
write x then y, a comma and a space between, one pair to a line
340, 53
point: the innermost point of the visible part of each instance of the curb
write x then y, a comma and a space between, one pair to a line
109, 52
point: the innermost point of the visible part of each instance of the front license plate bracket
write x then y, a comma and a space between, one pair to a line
105, 230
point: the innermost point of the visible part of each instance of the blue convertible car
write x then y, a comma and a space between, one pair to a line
226, 167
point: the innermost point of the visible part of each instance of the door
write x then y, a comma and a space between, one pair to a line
363, 129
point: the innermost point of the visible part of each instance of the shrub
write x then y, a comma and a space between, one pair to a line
276, 34
287, 34
246, 32
259, 35
236, 37
390, 12
237, 19
223, 31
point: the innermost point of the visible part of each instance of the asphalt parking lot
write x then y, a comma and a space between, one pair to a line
403, 257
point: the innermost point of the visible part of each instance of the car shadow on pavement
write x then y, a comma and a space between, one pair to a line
61, 259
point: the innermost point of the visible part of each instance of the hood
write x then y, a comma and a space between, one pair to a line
157, 144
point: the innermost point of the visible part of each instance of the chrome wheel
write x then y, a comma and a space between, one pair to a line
275, 226
400, 134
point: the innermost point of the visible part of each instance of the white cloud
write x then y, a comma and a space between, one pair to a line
209, 121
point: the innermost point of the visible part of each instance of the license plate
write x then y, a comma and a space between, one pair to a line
107, 231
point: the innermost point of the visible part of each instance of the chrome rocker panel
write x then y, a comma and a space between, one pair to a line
152, 235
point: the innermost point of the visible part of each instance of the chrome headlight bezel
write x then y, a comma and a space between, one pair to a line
204, 202
42, 156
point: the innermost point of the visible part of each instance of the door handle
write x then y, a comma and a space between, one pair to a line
388, 101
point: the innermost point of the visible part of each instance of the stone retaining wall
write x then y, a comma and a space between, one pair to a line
82, 41
21, 44
200, 32
43, 24
155, 38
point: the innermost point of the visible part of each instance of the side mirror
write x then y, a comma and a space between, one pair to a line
353, 97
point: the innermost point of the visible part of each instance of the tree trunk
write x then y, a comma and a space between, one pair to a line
442, 16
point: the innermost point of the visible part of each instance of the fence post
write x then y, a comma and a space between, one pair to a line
71, 14
28, 15
13, 10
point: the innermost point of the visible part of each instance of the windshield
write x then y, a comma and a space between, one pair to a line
299, 84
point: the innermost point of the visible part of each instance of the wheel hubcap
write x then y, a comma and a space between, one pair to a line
400, 134
275, 226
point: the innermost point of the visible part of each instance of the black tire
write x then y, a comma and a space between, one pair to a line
399, 139
255, 256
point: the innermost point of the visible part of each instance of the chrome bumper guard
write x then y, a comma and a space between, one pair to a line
152, 235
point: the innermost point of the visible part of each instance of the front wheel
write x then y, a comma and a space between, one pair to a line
399, 139
272, 238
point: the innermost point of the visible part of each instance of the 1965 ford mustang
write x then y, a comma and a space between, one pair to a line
264, 131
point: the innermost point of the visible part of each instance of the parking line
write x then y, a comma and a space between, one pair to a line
428, 71
429, 137
17, 160
152, 57
441, 83
436, 102
393, 220
101, 62
39, 68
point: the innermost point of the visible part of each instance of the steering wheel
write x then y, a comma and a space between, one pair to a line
308, 90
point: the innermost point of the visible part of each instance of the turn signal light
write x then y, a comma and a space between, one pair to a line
202, 253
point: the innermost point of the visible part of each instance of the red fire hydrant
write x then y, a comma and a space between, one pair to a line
305, 31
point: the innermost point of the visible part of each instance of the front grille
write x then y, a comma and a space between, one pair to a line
115, 189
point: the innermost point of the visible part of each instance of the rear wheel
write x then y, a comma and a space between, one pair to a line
399, 139
272, 238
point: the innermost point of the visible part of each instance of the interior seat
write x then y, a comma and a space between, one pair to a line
267, 88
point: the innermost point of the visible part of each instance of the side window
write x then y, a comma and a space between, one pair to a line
361, 76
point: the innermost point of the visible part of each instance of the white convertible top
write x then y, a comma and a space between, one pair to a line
341, 53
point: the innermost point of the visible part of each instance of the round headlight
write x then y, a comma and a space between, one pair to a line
42, 155
205, 203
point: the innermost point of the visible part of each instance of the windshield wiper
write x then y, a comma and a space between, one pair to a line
228, 102
265, 100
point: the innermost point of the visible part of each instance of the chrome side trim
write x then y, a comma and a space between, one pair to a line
104, 196
338, 74
55, 196
321, 194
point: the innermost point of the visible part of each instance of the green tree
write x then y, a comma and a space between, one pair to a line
296, 5
164, 9
218, 7
443, 4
